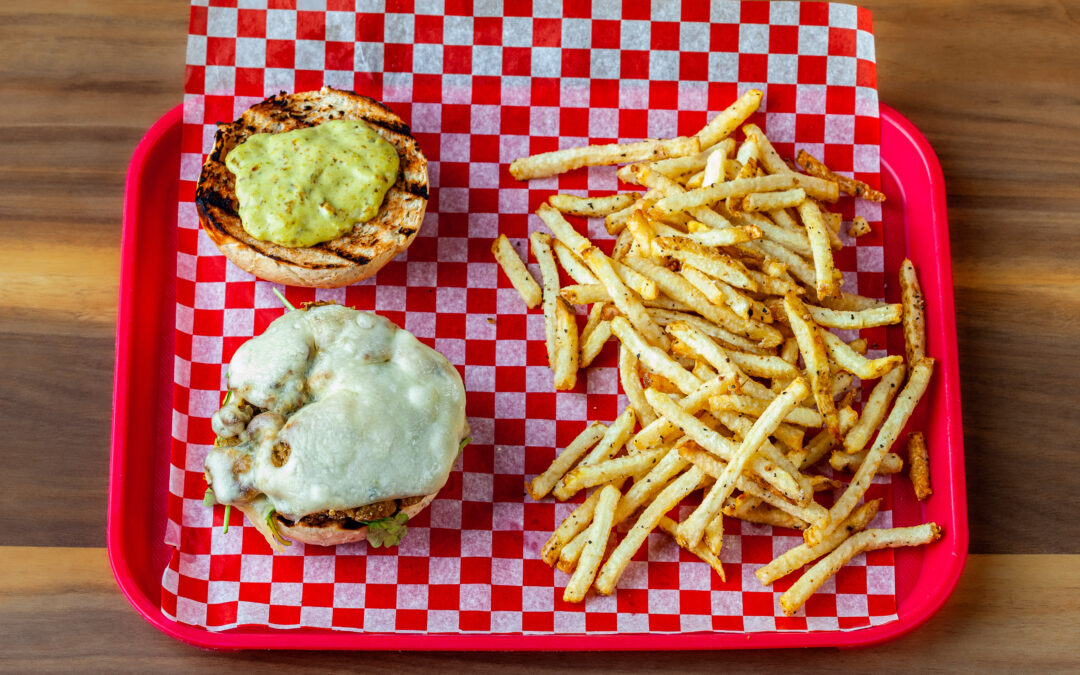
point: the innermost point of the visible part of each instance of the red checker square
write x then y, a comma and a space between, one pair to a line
724, 37
517, 61
197, 22
444, 596
574, 122
219, 614
756, 549
285, 615
663, 574
288, 569
458, 7
305, 80
195, 485
282, 4
205, 376
867, 130
547, 32
427, 29
693, 66
487, 30
348, 617
280, 53
397, 58
753, 67
839, 157
419, 299
790, 623
476, 514
411, 619
457, 59
224, 567
850, 622
664, 35
666, 623
505, 598
340, 5
754, 12
727, 623
545, 91
865, 20
210, 268
251, 591
412, 569
370, 28
757, 604
783, 39
317, 595
812, 69
445, 542
486, 89
479, 353
220, 51
633, 123
484, 148
634, 65
310, 25
350, 570
578, 9
838, 100
851, 580
192, 588
540, 405
537, 459
576, 63
695, 11
514, 120
695, 602
381, 596
601, 621
508, 488
474, 621
250, 23
339, 56
814, 14
882, 558
663, 95
820, 604
522, 8
845, 258
842, 41
638, 11
455, 119
537, 621
632, 600
400, 7
254, 542
605, 34
810, 128
473, 570
539, 517
249, 81
880, 605
508, 544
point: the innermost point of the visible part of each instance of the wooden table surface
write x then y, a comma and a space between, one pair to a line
994, 86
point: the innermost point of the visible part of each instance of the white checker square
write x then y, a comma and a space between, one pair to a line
280, 24
203, 403
509, 405
507, 571
851, 604
430, 7
661, 122
368, 58
695, 623
663, 601
602, 121
427, 117
664, 66
446, 514
453, 249
196, 515
571, 406
632, 623
508, 516
418, 543
783, 68
784, 13
539, 598
286, 593
379, 620
511, 352
255, 568
474, 597
475, 544
634, 35
866, 159
319, 569
250, 52
218, 592
753, 38
318, 617
398, 29
191, 611
510, 148
694, 36
484, 175
574, 92
544, 121
819, 623
546, 61
370, 6
221, 22
604, 64
506, 622
310, 55
758, 624
842, 71
485, 119
695, 576
840, 129
427, 58
278, 79
196, 50
444, 570
781, 127
870, 258
602, 380
442, 621
508, 461
723, 66
576, 33
220, 79
458, 30
487, 60
477, 487
843, 16
412, 596
453, 349
814, 40
238, 322
340, 26
382, 569
880, 580
569, 622
517, 31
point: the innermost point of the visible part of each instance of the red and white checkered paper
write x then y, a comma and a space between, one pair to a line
482, 83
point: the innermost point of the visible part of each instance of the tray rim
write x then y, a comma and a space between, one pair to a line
911, 614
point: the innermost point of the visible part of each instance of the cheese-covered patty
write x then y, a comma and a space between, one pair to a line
355, 411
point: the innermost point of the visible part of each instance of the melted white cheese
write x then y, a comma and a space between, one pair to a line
373, 414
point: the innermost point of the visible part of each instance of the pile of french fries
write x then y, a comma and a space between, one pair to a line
721, 292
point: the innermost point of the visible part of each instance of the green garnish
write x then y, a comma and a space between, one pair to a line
209, 498
228, 397
387, 531
465, 441
273, 529
225, 530
285, 302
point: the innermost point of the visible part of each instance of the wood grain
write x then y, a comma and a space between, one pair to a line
1002, 606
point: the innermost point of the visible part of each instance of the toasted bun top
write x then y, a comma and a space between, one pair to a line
338, 262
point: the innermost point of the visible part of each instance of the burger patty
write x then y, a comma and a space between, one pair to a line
355, 518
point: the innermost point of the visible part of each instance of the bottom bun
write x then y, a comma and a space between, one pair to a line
331, 535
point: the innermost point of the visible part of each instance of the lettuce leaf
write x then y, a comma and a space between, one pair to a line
387, 531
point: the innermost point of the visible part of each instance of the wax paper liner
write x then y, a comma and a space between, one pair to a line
482, 84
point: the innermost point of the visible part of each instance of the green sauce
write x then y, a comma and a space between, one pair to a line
311, 185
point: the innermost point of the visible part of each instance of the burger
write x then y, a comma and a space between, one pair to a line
337, 426
318, 188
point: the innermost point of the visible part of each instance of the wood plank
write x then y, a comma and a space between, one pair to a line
1008, 610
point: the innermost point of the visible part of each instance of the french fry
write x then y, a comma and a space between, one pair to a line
615, 222
874, 410
859, 227
708, 235
797, 266
660, 428
887, 435
666, 317
721, 126
814, 355
541, 248
591, 206
914, 313
593, 343
720, 191
540, 486
573, 264
631, 384
515, 271
598, 534
920, 465
677, 167
800, 555
853, 187
763, 366
627, 302
856, 319
792, 239
584, 294
566, 346
709, 261
851, 302
590, 475
820, 247
562, 229
656, 360
841, 461
641, 284
748, 405
772, 466
560, 161
767, 201
867, 540
857, 364
708, 556
646, 523
577, 521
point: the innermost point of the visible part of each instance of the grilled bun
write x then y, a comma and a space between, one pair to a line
335, 532
347, 259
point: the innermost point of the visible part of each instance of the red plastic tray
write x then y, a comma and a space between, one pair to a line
915, 225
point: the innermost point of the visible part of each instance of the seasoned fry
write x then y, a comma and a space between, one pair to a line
690, 404
748, 405
720, 191
573, 264
591, 206
820, 247
515, 271
627, 302
841, 461
817, 362
793, 239
767, 201
855, 363
608, 470
874, 410
560, 161
656, 360
562, 229
920, 465
598, 534
543, 483
613, 440
721, 126
851, 302
584, 294
670, 526
802, 554
631, 384
566, 346
577, 521
856, 319
853, 187
763, 366
867, 540
914, 312
593, 343
859, 227
541, 248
